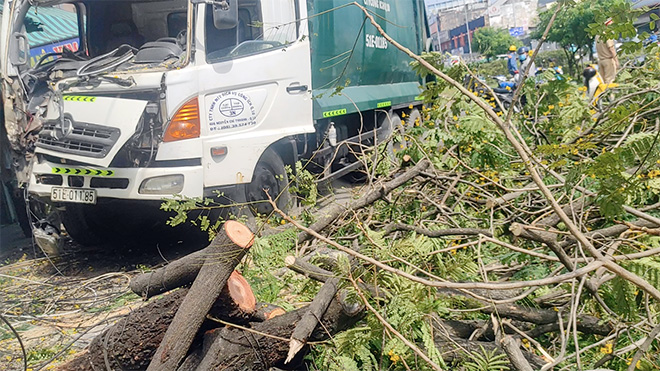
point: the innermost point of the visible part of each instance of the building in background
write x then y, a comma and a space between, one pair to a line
518, 16
449, 19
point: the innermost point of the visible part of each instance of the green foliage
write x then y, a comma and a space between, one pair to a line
487, 361
578, 23
303, 184
647, 268
492, 68
267, 255
491, 41
609, 171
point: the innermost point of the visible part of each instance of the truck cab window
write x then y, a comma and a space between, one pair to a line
50, 31
116, 23
262, 26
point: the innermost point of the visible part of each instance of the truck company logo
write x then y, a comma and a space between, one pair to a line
231, 107
231, 110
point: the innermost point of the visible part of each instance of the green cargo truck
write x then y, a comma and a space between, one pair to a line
193, 97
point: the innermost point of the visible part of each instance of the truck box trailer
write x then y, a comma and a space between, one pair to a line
200, 98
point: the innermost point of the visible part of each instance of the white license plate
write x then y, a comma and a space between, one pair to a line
75, 195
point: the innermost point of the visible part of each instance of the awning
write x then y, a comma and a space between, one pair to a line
47, 25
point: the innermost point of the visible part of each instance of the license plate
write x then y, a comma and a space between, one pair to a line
75, 195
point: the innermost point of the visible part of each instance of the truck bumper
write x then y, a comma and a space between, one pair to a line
120, 183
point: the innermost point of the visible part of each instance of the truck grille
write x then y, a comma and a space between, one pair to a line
77, 138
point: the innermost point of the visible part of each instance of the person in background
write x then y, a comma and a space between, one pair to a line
525, 60
608, 62
512, 62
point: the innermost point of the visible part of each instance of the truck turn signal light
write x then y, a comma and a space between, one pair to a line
185, 123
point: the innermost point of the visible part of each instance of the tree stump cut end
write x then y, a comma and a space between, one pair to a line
241, 292
239, 234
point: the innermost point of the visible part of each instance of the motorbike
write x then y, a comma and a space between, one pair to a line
503, 92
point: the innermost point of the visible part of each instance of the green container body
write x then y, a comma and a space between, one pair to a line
350, 56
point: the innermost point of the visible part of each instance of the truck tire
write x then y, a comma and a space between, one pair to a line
413, 116
79, 224
269, 174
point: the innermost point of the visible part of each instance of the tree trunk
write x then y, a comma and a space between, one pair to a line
224, 253
131, 343
240, 350
178, 273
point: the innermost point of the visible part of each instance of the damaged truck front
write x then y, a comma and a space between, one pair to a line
198, 98
91, 125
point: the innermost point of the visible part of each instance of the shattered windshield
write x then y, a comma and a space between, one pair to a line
97, 37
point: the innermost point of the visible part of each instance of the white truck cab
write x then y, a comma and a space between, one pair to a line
191, 97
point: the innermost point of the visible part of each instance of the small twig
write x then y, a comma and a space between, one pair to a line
644, 347
18, 337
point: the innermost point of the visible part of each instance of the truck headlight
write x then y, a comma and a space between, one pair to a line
162, 185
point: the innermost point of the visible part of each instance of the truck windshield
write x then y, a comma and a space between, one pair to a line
99, 36
50, 30
262, 26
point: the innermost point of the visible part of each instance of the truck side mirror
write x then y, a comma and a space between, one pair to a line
20, 49
225, 14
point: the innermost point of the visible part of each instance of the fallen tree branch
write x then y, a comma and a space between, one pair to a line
643, 348
511, 347
308, 322
224, 253
328, 214
438, 232
266, 345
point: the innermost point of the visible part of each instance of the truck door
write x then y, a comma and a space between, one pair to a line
255, 87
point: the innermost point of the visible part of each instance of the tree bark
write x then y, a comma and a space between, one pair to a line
511, 347
240, 350
266, 311
308, 322
131, 343
178, 273
224, 253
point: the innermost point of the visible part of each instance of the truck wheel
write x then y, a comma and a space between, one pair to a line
269, 175
79, 224
413, 117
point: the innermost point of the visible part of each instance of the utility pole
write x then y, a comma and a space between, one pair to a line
467, 27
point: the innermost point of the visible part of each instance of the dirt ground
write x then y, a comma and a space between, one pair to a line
57, 305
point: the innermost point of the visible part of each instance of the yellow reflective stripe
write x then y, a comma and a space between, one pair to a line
337, 112
384, 104
79, 98
74, 171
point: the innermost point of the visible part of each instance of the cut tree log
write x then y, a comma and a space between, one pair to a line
266, 311
266, 344
179, 273
224, 253
328, 214
131, 342
308, 322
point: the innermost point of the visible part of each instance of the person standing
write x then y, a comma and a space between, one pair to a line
512, 62
608, 62
525, 60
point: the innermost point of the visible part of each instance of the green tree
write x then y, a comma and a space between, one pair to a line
491, 41
573, 28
